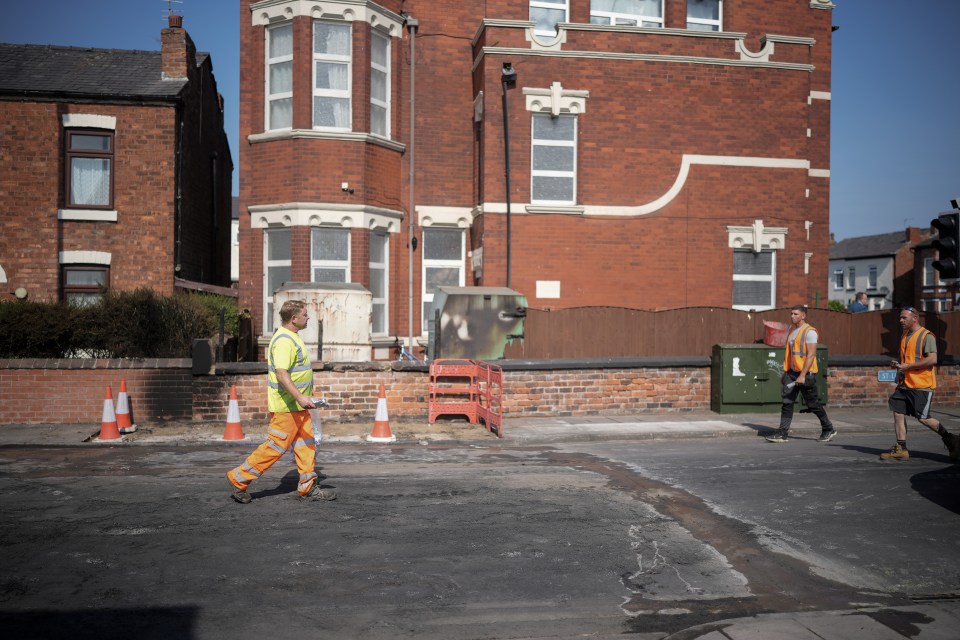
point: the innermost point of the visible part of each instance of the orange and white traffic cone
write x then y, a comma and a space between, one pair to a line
233, 431
108, 424
124, 423
381, 424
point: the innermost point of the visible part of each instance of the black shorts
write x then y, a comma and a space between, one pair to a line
911, 402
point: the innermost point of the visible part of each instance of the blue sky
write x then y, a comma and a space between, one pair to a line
895, 96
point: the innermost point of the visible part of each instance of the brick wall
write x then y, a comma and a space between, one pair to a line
162, 390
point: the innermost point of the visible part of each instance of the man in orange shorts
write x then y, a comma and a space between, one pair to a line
289, 399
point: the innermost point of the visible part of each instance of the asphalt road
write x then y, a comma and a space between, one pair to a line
602, 538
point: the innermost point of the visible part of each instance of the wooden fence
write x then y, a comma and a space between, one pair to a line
611, 332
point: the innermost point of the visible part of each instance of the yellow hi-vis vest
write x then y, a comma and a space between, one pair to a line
911, 350
796, 354
287, 351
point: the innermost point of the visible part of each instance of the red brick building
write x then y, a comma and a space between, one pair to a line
662, 153
115, 170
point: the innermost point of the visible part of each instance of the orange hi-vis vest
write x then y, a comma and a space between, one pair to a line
911, 350
796, 354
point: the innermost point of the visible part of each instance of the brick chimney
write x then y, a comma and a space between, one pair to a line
178, 52
915, 235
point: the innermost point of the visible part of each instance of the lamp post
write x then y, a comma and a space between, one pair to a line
508, 78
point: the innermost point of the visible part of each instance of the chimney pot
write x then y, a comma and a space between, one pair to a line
175, 21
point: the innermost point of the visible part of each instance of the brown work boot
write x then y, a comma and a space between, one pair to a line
317, 492
897, 453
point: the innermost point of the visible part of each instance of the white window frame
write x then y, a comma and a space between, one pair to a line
620, 18
270, 98
564, 5
460, 264
929, 273
838, 279
385, 70
268, 327
772, 279
545, 173
332, 93
851, 278
706, 21
339, 265
382, 238
872, 275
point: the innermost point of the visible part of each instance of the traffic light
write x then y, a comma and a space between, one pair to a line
948, 244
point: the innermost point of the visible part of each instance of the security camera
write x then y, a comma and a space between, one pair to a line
509, 74
955, 203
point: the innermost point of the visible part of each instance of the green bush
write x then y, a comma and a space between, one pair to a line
835, 305
122, 324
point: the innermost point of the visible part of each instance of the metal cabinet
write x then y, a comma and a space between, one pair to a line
745, 378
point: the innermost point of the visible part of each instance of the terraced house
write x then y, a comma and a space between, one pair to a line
639, 153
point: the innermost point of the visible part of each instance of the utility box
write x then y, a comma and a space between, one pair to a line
339, 326
475, 323
745, 378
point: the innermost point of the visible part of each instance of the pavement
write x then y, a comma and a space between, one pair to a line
927, 620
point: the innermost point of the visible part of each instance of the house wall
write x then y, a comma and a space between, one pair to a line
880, 297
140, 242
755, 135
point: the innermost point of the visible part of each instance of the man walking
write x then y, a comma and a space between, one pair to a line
859, 303
800, 377
915, 384
289, 393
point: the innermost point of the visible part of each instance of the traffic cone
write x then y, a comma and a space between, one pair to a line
108, 424
124, 423
233, 431
381, 425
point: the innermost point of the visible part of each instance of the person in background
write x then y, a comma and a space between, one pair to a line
859, 303
800, 377
289, 399
915, 384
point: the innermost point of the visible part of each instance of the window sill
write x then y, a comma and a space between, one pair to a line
318, 134
87, 215
555, 208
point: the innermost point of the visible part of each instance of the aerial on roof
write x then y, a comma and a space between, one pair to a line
884, 244
33, 69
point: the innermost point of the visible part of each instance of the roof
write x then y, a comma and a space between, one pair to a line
884, 244
34, 69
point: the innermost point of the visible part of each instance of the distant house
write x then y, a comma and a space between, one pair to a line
115, 171
882, 266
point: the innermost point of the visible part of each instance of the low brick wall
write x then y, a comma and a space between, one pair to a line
72, 391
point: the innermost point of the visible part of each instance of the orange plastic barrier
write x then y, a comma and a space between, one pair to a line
490, 396
453, 389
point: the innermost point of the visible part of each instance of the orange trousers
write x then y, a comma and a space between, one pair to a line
286, 429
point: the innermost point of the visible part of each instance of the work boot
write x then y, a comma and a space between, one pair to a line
897, 453
241, 495
317, 492
827, 436
778, 436
952, 442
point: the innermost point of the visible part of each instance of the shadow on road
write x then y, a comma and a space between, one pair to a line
940, 486
161, 623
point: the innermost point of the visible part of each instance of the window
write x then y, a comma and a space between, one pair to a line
332, 55
838, 279
379, 285
637, 13
872, 278
277, 258
929, 273
704, 15
329, 255
553, 173
89, 168
852, 279
443, 264
546, 14
280, 77
380, 85
84, 285
753, 280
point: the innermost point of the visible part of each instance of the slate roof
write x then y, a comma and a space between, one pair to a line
884, 244
38, 70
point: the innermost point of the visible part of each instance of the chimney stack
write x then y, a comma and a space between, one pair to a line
178, 52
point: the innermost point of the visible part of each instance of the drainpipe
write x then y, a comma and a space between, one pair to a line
412, 25
178, 203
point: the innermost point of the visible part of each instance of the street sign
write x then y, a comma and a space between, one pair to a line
887, 376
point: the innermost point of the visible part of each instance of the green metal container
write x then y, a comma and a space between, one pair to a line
745, 378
